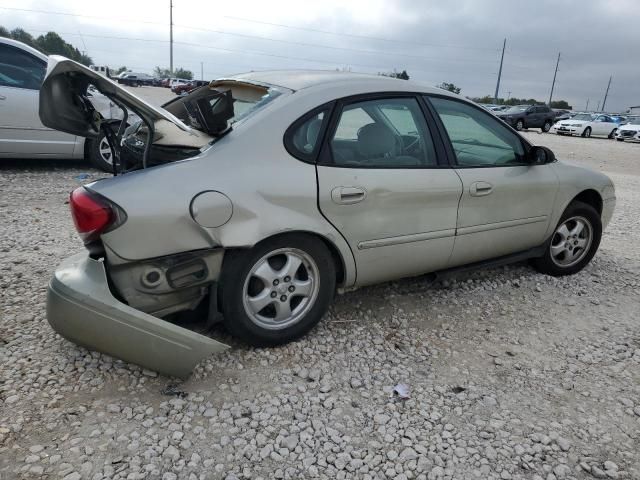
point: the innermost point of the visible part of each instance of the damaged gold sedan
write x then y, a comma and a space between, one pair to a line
252, 199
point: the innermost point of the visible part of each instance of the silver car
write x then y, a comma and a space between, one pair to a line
254, 198
22, 135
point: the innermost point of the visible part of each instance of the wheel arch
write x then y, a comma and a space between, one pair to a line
590, 197
336, 254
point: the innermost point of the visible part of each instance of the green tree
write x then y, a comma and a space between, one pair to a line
182, 73
120, 70
450, 87
563, 104
24, 37
49, 44
159, 72
485, 99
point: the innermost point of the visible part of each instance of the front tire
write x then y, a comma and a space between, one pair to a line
573, 243
613, 133
277, 291
587, 132
547, 126
519, 125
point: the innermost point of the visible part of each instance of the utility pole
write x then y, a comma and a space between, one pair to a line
201, 70
553, 84
606, 93
171, 38
508, 95
598, 107
495, 97
586, 109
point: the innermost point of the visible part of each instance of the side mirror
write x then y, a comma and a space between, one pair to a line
539, 155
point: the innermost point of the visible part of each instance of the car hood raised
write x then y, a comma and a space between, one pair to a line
64, 87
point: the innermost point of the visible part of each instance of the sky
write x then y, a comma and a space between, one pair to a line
435, 41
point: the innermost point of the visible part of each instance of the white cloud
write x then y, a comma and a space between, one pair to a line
434, 40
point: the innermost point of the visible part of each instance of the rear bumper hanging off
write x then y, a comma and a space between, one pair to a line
81, 308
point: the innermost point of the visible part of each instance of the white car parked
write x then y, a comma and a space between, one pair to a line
585, 125
629, 132
22, 134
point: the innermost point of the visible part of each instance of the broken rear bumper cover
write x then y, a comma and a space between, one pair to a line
81, 308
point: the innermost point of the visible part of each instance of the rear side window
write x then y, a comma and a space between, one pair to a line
20, 69
479, 139
304, 136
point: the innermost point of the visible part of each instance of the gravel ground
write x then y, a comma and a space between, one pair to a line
512, 374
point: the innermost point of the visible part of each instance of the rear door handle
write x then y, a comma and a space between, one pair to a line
479, 189
348, 195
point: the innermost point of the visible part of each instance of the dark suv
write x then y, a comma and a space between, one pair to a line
529, 116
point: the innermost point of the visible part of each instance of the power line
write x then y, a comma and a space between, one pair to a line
331, 47
245, 52
352, 35
406, 42
67, 14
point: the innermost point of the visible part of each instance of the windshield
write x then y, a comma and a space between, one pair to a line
517, 109
583, 116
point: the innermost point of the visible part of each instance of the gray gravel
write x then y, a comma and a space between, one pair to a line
512, 374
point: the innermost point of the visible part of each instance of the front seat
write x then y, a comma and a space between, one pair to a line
377, 145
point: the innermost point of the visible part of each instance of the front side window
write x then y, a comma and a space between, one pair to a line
478, 139
20, 69
383, 133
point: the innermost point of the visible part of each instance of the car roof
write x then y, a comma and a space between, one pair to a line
23, 46
300, 79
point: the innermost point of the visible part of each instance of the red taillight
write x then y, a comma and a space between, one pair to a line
91, 214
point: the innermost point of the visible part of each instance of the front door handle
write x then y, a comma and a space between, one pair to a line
348, 195
479, 189
2, 97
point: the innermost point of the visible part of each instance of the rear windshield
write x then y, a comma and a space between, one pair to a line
583, 116
247, 100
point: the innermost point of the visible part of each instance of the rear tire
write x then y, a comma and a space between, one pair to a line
547, 126
587, 132
573, 243
266, 299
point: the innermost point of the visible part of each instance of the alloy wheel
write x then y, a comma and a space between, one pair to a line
105, 151
571, 241
281, 288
